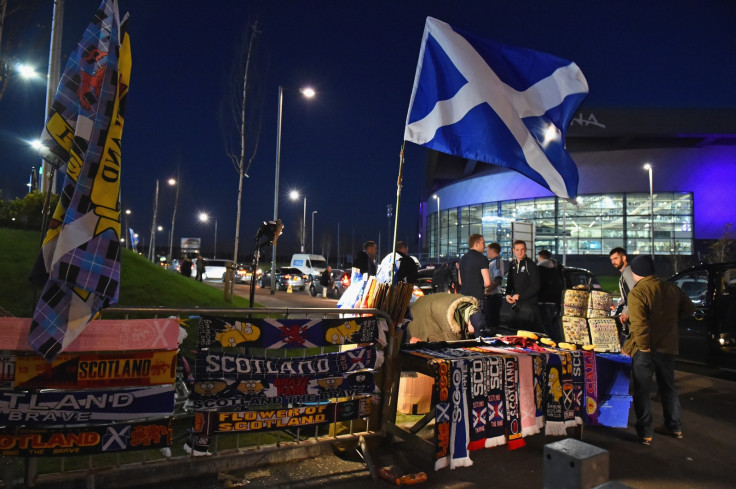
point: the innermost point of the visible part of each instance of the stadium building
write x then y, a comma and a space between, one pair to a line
692, 153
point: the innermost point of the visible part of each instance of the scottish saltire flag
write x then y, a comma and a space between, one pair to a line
82, 136
485, 101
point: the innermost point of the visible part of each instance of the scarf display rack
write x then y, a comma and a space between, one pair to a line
498, 391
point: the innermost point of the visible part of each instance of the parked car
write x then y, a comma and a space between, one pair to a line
424, 277
214, 269
340, 279
575, 278
284, 278
709, 335
244, 274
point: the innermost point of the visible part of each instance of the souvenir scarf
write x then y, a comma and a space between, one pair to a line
555, 419
578, 384
568, 397
590, 413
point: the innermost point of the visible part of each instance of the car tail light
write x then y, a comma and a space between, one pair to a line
345, 280
287, 277
304, 277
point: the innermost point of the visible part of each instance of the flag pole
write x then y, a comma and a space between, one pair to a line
399, 181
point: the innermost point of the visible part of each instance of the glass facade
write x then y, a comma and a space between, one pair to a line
593, 225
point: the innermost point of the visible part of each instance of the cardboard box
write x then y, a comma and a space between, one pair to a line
415, 393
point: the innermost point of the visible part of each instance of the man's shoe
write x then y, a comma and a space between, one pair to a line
666, 431
646, 441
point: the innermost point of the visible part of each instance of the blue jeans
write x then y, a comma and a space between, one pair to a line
645, 366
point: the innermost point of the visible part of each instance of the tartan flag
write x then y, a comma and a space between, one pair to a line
485, 101
82, 135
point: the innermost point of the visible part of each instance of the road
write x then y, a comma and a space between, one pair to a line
297, 298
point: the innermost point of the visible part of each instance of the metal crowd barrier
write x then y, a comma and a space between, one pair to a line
228, 452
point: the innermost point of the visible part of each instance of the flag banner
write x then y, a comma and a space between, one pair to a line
275, 390
485, 101
82, 135
295, 417
84, 370
92, 406
288, 333
213, 365
101, 335
89, 440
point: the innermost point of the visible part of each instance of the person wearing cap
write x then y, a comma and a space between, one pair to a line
655, 307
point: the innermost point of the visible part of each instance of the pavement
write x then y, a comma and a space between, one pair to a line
704, 458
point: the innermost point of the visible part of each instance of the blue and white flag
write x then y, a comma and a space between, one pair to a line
503, 105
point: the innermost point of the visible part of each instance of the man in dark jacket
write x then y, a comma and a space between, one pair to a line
522, 288
366, 259
655, 306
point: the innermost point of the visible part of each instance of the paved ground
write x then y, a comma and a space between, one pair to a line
703, 459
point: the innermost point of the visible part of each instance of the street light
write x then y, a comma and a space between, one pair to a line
152, 244
128, 239
294, 195
309, 93
435, 196
204, 217
313, 213
649, 168
173, 182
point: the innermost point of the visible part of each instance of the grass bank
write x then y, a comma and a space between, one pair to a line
141, 282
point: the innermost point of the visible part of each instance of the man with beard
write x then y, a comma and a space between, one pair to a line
626, 282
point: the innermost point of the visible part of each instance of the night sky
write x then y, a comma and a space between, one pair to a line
340, 149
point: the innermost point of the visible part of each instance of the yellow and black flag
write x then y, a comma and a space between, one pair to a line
82, 136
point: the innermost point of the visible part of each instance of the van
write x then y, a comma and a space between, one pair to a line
310, 265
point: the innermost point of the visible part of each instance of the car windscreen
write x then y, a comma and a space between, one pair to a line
318, 263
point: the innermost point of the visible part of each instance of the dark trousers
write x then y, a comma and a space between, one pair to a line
493, 312
526, 316
645, 367
550, 321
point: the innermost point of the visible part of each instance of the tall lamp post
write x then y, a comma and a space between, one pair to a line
177, 184
204, 217
312, 249
309, 93
294, 195
649, 168
435, 196
152, 244
126, 232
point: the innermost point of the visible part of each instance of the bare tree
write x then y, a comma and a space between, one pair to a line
326, 245
242, 129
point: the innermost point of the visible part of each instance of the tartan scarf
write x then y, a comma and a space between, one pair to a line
555, 420
590, 413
